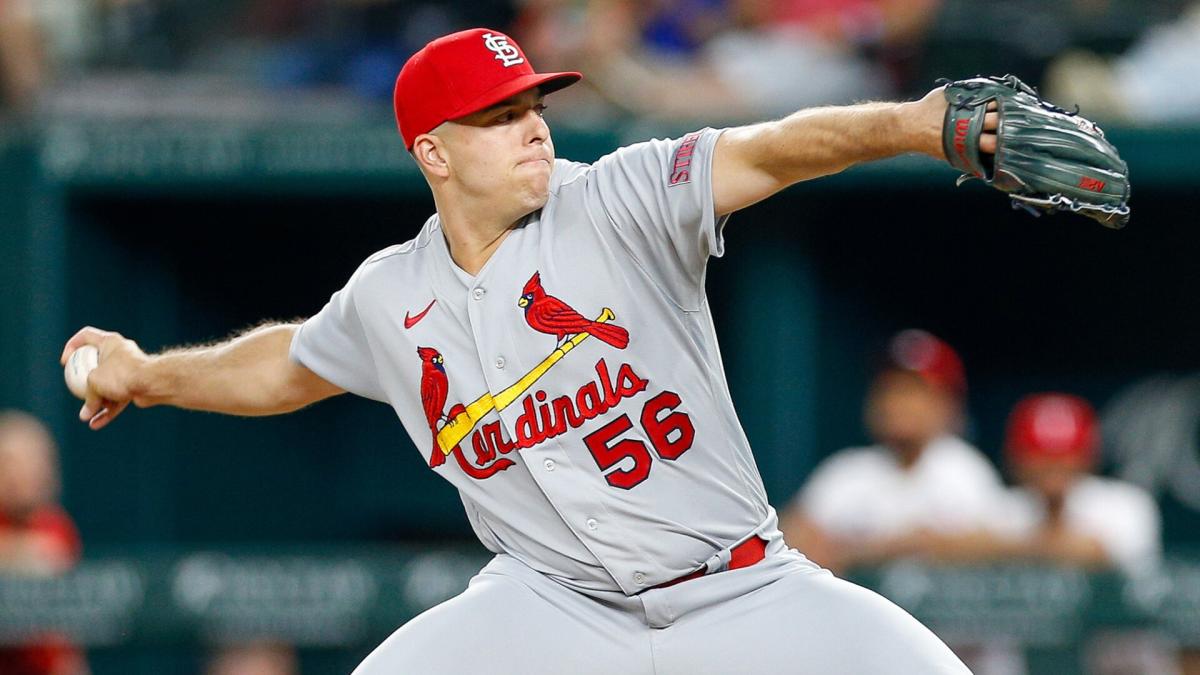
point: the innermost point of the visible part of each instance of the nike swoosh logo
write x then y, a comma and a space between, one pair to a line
409, 322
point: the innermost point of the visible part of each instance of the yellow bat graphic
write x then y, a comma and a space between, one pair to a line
458, 428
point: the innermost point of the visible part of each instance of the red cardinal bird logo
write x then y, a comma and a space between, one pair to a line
547, 314
434, 388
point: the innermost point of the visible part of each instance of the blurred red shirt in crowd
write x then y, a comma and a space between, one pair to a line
37, 537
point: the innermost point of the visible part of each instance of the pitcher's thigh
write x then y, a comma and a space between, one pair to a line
499, 625
809, 624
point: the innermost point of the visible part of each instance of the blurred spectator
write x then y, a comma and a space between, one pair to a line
1151, 83
357, 44
22, 54
920, 480
260, 658
884, 23
724, 59
41, 40
36, 536
1061, 511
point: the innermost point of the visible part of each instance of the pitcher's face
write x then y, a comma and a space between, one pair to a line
503, 152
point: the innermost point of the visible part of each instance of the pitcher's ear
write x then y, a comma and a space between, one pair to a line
430, 153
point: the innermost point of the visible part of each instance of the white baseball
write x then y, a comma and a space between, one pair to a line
81, 362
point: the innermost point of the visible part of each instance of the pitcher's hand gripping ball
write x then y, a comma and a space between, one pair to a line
79, 365
1047, 159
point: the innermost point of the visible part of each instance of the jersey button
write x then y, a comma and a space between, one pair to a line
478, 293
639, 578
549, 464
500, 362
592, 524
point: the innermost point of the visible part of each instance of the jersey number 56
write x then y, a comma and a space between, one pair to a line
670, 434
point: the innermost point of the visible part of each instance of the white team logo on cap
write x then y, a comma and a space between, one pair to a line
506, 52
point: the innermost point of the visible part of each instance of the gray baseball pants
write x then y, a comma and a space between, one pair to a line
782, 615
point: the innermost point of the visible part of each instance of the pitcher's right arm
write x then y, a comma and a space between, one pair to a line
248, 375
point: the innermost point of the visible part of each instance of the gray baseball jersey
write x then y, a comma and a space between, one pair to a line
573, 392
599, 443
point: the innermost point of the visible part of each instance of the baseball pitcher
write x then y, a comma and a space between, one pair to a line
546, 342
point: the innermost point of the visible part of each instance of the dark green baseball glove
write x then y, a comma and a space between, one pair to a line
1047, 159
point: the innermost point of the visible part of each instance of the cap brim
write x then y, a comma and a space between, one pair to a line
547, 82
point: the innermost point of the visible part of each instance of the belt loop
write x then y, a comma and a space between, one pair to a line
719, 562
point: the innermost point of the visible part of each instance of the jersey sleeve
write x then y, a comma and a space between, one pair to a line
658, 198
333, 343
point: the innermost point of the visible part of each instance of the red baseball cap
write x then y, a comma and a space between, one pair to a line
461, 73
1052, 426
930, 358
